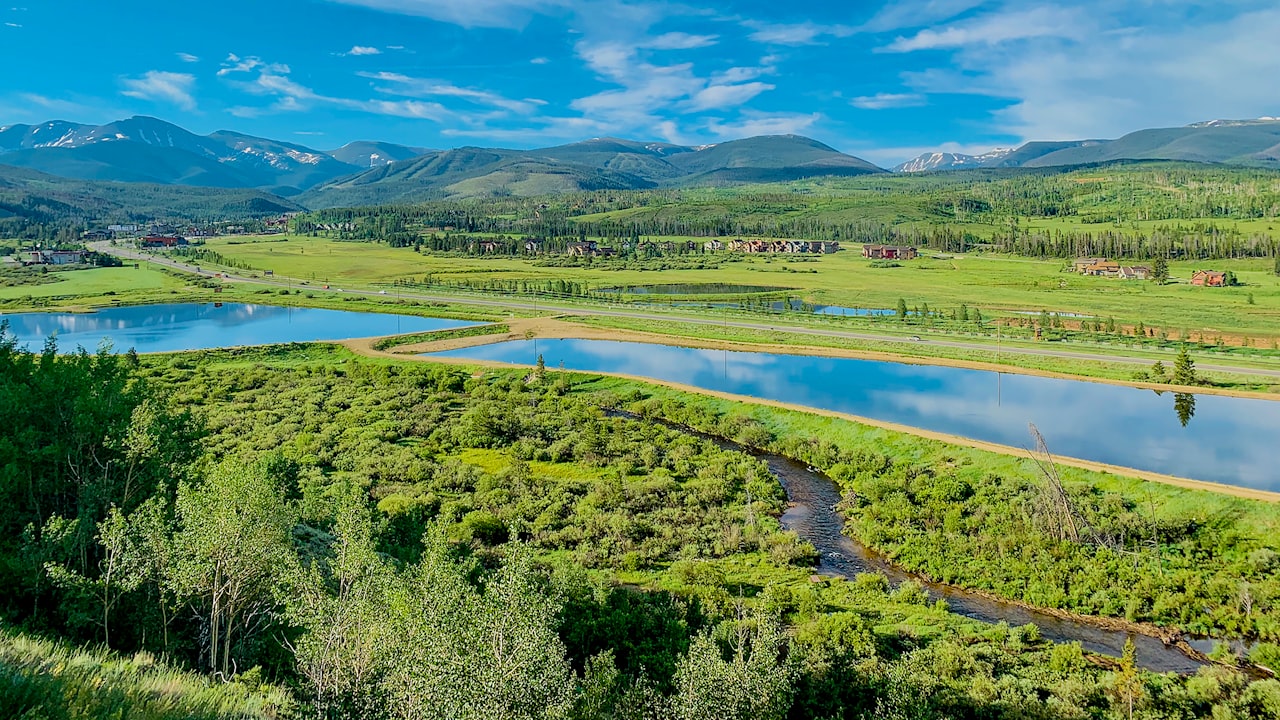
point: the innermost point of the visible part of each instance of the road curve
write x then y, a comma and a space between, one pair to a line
780, 324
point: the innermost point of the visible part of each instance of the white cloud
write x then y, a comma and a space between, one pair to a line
753, 123
1041, 22
187, 57
884, 101
540, 61
1101, 79
290, 96
795, 34
722, 97
12, 25
363, 50
679, 41
56, 105
236, 64
917, 13
648, 91
158, 85
419, 87
468, 13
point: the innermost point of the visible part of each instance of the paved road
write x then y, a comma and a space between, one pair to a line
780, 324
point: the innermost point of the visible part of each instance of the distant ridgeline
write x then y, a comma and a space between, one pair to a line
1136, 210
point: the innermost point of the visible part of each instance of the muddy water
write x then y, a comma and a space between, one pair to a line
812, 515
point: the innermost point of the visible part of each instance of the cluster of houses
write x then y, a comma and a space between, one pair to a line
788, 247
1102, 267
591, 248
889, 252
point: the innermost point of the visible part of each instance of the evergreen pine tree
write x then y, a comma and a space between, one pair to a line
1184, 369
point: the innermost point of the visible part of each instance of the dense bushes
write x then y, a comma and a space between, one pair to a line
406, 541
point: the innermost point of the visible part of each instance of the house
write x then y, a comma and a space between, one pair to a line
123, 229
163, 241
533, 247
713, 246
1209, 278
1083, 264
54, 257
607, 252
92, 235
1135, 272
487, 247
582, 249
1105, 268
889, 252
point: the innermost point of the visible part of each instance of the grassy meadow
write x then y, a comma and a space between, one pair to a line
994, 283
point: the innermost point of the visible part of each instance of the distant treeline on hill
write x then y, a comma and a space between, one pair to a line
1197, 208
449, 229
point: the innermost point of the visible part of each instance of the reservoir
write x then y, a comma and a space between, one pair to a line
1227, 440
203, 326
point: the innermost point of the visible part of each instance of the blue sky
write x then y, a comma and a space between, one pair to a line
882, 81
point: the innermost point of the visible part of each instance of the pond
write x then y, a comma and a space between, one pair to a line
202, 326
1224, 439
694, 289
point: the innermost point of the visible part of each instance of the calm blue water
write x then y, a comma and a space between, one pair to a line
1228, 440
201, 326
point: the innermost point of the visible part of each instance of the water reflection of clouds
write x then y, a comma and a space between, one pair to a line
1230, 440
192, 326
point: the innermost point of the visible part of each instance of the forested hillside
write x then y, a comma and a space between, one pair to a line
1144, 210
32, 202
410, 540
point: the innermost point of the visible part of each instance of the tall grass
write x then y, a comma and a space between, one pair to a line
43, 680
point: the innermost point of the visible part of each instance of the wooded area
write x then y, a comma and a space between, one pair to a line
406, 540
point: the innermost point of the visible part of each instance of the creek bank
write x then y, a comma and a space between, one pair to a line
812, 513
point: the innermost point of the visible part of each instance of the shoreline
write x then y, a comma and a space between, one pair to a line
559, 329
364, 346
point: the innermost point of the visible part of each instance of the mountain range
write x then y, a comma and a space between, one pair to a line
157, 153
1236, 142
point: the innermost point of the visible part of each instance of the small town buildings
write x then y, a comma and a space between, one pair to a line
163, 241
817, 247
94, 235
533, 247
889, 252
586, 248
713, 246
486, 247
1209, 278
1135, 272
54, 257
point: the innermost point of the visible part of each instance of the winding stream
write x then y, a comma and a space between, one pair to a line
811, 514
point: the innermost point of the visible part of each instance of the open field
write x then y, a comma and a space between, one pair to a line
995, 284
120, 283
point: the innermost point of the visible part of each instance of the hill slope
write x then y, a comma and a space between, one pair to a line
370, 154
30, 196
145, 149
599, 164
1236, 142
